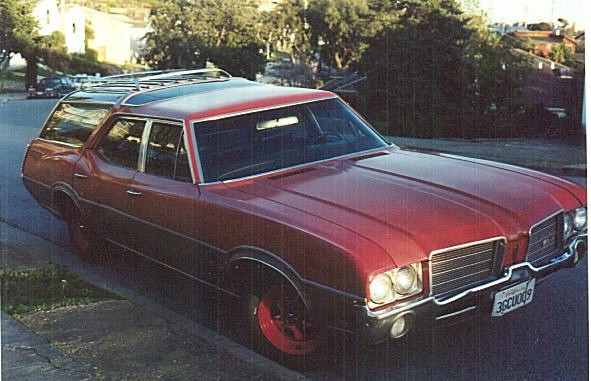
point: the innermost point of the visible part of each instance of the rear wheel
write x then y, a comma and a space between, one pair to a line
85, 243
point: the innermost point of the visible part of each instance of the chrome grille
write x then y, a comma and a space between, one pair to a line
545, 240
455, 270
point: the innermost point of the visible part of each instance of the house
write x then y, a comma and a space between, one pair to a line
545, 40
117, 38
72, 19
65, 18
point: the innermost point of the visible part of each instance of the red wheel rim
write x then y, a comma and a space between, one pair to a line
284, 323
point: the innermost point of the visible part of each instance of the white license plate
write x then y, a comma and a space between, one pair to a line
513, 298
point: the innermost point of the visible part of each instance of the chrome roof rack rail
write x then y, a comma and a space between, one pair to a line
138, 81
129, 85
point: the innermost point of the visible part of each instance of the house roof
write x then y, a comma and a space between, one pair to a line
544, 36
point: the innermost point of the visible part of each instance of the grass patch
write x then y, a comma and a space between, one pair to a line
45, 289
10, 82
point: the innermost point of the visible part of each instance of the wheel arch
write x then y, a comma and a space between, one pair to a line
245, 260
62, 197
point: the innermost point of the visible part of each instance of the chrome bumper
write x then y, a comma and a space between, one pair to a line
376, 325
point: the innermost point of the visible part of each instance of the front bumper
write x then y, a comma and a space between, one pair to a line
378, 326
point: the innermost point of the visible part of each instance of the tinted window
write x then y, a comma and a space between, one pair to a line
73, 123
121, 144
264, 141
166, 155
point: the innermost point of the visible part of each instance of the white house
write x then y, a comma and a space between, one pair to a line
59, 17
73, 28
117, 38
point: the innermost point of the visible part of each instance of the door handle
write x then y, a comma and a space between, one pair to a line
133, 193
80, 176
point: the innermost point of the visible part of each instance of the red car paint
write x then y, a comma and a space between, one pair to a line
327, 227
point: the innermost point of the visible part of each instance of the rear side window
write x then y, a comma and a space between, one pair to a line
166, 155
73, 123
121, 144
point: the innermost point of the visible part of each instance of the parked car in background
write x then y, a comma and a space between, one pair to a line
52, 87
289, 201
83, 80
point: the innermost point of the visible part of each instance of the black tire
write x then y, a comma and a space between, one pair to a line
86, 244
281, 328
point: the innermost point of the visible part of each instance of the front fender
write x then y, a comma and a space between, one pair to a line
241, 258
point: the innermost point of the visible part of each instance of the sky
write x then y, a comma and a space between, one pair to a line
533, 11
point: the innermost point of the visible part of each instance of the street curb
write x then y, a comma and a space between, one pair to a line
27, 241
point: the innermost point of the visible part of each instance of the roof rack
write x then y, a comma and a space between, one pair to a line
136, 81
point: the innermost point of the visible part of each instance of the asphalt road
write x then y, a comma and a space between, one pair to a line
547, 340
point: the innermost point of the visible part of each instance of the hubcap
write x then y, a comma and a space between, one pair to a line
285, 323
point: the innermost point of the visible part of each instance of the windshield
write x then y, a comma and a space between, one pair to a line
264, 141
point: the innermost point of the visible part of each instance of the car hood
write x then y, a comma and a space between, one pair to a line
411, 203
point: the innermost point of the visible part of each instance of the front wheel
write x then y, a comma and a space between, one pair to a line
283, 327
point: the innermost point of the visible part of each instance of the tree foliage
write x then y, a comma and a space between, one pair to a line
415, 65
17, 27
562, 54
285, 28
52, 49
190, 33
434, 71
18, 34
340, 29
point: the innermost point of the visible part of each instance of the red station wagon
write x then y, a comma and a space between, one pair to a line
287, 199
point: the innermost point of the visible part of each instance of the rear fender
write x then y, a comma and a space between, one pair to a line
61, 194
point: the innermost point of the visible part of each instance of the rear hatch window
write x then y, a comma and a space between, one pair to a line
73, 123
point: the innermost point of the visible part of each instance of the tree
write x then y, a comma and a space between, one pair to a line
433, 71
172, 43
52, 49
285, 28
18, 34
341, 28
415, 66
497, 73
562, 54
189, 33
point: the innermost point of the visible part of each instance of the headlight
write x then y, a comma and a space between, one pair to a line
405, 280
396, 284
568, 225
580, 218
380, 288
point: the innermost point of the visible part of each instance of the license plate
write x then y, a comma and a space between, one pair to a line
513, 298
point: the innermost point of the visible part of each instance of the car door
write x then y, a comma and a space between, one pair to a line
165, 198
102, 176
